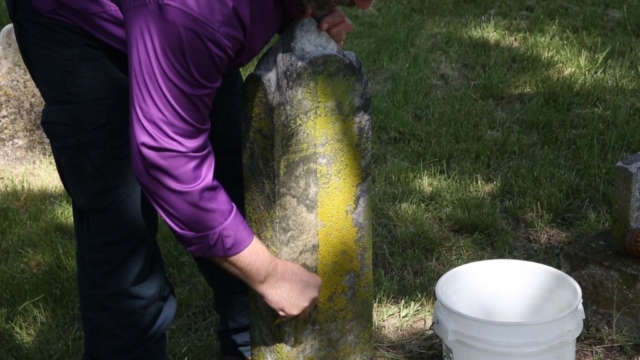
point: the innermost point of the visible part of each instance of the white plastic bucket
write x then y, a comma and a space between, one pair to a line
508, 309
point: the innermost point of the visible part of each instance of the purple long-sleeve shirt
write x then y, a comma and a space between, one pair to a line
178, 51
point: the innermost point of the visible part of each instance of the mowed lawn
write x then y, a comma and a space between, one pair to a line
497, 125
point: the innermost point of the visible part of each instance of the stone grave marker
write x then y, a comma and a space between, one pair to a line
307, 154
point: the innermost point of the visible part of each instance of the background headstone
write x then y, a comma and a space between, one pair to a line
21, 136
625, 217
307, 153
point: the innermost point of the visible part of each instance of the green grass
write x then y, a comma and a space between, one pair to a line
497, 125
4, 17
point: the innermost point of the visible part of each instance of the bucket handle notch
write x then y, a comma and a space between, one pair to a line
442, 330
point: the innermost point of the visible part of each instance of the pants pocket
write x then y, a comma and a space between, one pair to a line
90, 145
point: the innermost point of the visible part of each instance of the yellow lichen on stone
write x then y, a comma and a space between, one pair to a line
339, 176
345, 288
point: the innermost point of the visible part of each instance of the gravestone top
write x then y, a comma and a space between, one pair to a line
631, 160
307, 40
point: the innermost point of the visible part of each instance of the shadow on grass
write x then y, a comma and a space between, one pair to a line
502, 145
509, 135
496, 149
39, 318
39, 310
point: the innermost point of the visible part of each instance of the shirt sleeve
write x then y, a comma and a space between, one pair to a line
175, 66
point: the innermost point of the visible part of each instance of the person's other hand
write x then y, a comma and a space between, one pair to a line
290, 290
336, 23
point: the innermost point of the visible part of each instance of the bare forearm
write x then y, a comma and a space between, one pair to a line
288, 288
254, 265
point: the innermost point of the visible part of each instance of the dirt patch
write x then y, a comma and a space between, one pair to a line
449, 74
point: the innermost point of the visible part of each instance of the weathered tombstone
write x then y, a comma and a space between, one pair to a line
626, 205
307, 154
21, 137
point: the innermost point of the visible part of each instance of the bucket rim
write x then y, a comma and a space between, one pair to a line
575, 306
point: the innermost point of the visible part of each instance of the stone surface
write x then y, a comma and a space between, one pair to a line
307, 153
610, 282
626, 199
21, 105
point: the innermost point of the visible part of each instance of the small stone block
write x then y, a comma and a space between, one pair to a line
626, 199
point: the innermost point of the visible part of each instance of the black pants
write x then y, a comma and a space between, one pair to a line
126, 301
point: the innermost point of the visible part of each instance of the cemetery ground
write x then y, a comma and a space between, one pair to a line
497, 125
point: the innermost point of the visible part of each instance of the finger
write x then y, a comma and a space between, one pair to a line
342, 28
309, 309
340, 38
281, 319
334, 17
